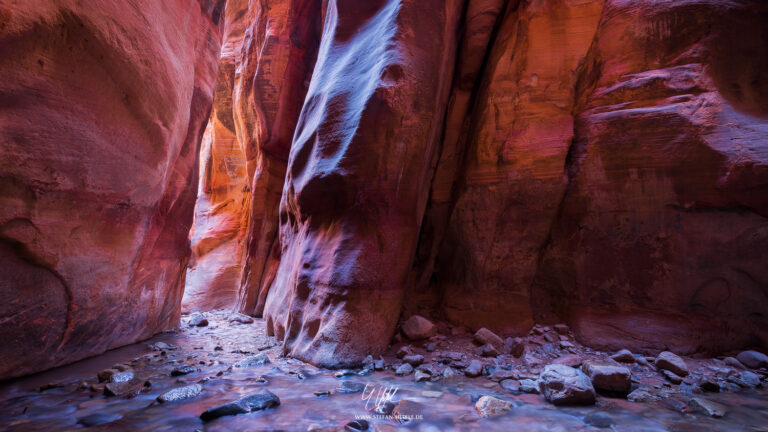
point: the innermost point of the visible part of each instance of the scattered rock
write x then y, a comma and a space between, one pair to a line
529, 386
732, 362
162, 346
511, 385
449, 373
485, 336
623, 356
753, 359
609, 378
404, 369
183, 370
414, 359
708, 384
197, 320
379, 364
489, 350
422, 375
474, 369
253, 402
515, 346
260, 359
180, 393
503, 374
746, 379
404, 351
121, 377
641, 395
106, 374
710, 408
566, 345
564, 385
672, 377
344, 373
489, 406
572, 360
561, 329
239, 318
671, 362
417, 327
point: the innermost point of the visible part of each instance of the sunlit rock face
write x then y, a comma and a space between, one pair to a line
661, 240
102, 106
358, 175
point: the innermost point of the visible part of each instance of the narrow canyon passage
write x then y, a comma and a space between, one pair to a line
520, 214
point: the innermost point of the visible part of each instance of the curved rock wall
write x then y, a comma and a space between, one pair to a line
102, 106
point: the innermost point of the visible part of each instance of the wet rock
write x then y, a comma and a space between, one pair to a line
709, 384
260, 359
344, 373
357, 425
732, 362
183, 370
511, 385
623, 356
162, 346
449, 373
350, 387
529, 386
561, 329
599, 420
515, 346
414, 359
180, 393
197, 320
408, 411
489, 350
385, 408
672, 377
641, 395
572, 360
609, 378
322, 393
404, 351
422, 375
121, 377
240, 319
119, 389
379, 364
404, 369
489, 406
503, 374
106, 374
430, 347
475, 369
97, 419
710, 408
746, 379
566, 345
417, 327
753, 359
563, 385
671, 362
253, 402
485, 336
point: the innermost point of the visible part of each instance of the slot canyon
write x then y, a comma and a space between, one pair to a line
384, 215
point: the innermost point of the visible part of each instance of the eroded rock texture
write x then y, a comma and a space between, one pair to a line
102, 105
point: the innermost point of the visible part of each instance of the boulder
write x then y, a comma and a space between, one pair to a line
753, 359
485, 336
608, 378
564, 385
671, 362
417, 327
489, 406
253, 402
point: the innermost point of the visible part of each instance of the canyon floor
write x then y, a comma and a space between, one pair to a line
173, 381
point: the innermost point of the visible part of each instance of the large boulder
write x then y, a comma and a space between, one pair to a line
753, 359
608, 378
564, 385
417, 327
671, 362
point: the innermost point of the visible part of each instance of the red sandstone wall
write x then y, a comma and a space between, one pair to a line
102, 106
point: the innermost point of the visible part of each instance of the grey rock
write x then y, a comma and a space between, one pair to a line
489, 350
475, 369
511, 385
672, 377
350, 387
732, 362
421, 375
503, 374
197, 320
710, 408
529, 386
671, 362
753, 359
641, 395
404, 369
564, 385
746, 379
180, 393
260, 359
404, 351
599, 420
253, 402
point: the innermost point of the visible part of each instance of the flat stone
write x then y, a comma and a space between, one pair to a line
608, 378
485, 336
503, 374
180, 393
710, 408
408, 411
253, 402
475, 369
357, 425
671, 362
641, 395
240, 318
414, 359
350, 387
564, 385
260, 359
379, 364
489, 406
119, 389
623, 356
344, 373
753, 359
417, 327
421, 375
572, 360
511, 385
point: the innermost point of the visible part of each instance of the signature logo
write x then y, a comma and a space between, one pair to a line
378, 395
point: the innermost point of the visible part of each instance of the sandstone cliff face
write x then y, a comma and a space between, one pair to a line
102, 106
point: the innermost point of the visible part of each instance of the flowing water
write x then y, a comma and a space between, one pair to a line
70, 397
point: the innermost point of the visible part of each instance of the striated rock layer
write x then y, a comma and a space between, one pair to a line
102, 106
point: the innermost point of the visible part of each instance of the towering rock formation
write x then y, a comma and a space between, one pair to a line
102, 105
